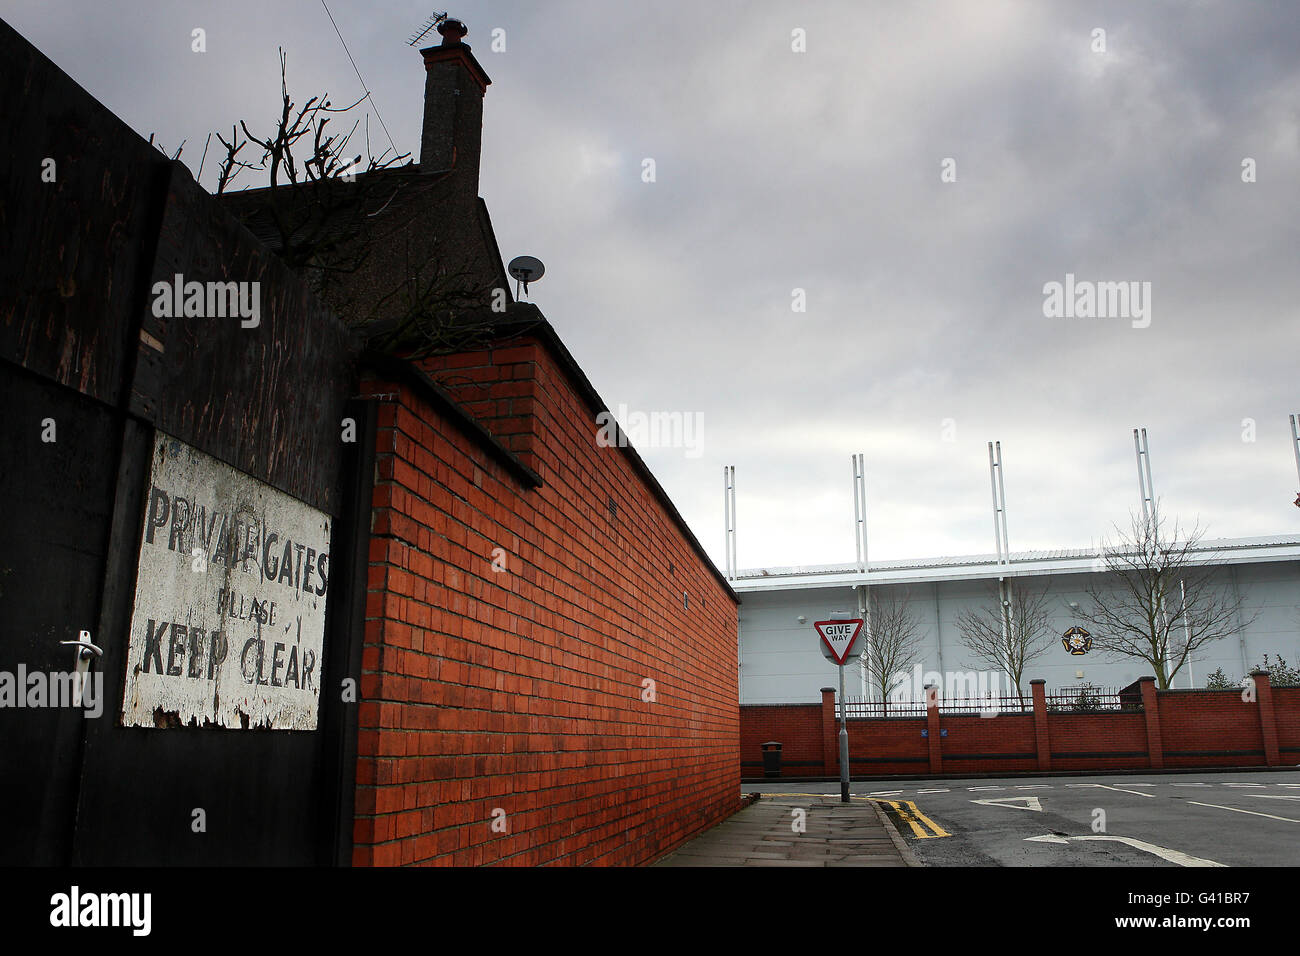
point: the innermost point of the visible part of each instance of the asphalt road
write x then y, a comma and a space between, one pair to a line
1160, 820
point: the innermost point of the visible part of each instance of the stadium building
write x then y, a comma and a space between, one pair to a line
780, 661
1249, 582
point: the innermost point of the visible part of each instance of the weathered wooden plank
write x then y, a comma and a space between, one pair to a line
263, 392
74, 245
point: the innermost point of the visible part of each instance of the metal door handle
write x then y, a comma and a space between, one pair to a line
86, 652
88, 649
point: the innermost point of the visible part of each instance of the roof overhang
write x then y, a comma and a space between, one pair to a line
1226, 551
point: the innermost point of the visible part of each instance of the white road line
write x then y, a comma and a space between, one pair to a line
1274, 796
974, 789
1289, 784
1139, 793
1037, 786
1031, 803
1139, 784
1191, 785
1253, 813
934, 791
1105, 786
1173, 856
1244, 785
878, 793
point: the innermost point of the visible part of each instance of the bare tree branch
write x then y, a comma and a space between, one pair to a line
893, 639
1007, 637
1159, 601
330, 217
162, 149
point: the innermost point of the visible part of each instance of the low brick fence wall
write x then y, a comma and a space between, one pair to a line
1171, 729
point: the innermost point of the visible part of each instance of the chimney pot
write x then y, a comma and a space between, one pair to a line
453, 31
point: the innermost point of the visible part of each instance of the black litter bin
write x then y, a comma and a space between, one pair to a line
772, 759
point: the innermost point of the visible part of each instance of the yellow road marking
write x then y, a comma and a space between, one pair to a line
916, 827
910, 815
938, 830
913, 817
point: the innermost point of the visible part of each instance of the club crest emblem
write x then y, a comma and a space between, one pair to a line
1077, 641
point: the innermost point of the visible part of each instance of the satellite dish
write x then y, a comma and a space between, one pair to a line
526, 269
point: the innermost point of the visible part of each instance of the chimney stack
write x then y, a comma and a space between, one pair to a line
454, 85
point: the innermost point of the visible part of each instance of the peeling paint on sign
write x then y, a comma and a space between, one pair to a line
229, 620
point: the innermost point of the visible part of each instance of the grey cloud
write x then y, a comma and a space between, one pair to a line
820, 170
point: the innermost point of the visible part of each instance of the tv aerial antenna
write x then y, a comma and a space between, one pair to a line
426, 28
525, 269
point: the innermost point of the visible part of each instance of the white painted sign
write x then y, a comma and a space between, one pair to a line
839, 639
229, 619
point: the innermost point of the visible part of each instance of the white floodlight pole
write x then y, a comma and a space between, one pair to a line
1006, 552
862, 494
864, 668
726, 519
1002, 543
1151, 488
1295, 445
860, 534
860, 509
857, 514
729, 509
726, 524
735, 562
1144, 478
857, 510
1151, 514
1142, 482
1187, 635
997, 521
1002, 495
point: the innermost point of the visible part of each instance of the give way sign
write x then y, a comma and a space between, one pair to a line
840, 638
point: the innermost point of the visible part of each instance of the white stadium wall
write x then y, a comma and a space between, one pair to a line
780, 661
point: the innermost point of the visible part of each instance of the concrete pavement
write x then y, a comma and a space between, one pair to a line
798, 831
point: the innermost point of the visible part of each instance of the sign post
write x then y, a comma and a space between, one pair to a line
839, 642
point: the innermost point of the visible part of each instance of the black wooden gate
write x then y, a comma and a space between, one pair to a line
84, 789
88, 375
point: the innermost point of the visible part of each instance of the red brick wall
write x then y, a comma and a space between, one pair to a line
522, 690
1105, 741
797, 727
499, 387
1196, 729
1196, 725
887, 746
978, 744
1286, 708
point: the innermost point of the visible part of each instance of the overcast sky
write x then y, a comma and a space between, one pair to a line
924, 334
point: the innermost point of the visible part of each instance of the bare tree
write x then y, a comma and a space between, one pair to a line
1011, 630
309, 200
330, 215
893, 639
157, 144
1159, 601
